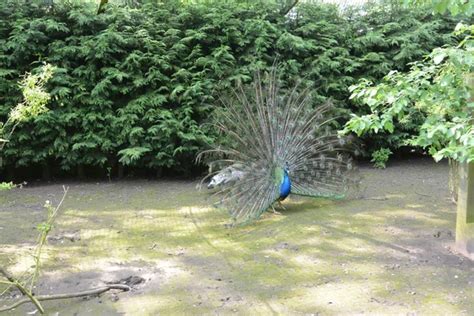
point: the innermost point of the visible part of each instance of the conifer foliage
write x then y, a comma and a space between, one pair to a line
133, 85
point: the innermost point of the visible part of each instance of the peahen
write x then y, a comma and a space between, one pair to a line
279, 144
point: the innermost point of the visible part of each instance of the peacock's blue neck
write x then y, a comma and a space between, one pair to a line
285, 187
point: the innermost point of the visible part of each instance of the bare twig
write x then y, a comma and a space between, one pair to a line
10, 278
52, 213
3, 142
96, 291
7, 275
422, 194
375, 198
22, 289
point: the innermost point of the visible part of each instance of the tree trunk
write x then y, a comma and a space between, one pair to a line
120, 172
80, 172
465, 213
10, 174
159, 172
46, 172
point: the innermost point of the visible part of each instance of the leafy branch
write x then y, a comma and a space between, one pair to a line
35, 98
439, 89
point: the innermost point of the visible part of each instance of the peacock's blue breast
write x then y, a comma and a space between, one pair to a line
285, 187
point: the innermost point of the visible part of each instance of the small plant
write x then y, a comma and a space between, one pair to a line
6, 186
26, 284
380, 157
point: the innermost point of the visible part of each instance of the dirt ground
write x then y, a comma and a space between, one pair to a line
388, 252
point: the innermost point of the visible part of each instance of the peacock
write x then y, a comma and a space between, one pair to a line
275, 143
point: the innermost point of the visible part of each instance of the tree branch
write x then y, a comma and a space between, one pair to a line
15, 282
95, 291
102, 5
288, 8
10, 278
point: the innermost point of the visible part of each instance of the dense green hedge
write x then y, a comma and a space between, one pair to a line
133, 86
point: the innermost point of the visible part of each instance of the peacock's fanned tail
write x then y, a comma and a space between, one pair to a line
265, 131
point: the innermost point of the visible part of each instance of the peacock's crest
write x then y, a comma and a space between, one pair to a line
273, 138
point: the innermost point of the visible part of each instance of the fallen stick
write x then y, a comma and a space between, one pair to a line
96, 291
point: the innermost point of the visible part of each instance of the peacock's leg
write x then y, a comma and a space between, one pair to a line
275, 211
281, 205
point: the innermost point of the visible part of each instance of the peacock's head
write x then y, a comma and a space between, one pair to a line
287, 168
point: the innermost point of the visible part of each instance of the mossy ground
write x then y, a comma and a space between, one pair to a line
387, 252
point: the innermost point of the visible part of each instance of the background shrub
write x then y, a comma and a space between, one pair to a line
134, 85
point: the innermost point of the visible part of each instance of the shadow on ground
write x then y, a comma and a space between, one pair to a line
386, 252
